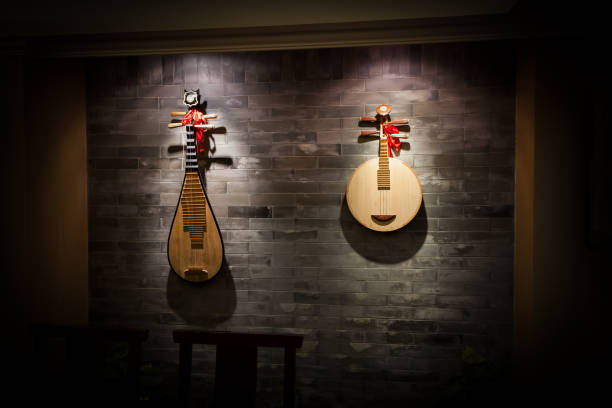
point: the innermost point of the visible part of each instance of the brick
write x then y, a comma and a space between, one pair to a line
464, 250
294, 137
245, 89
439, 108
272, 199
167, 91
292, 113
438, 314
248, 162
463, 275
353, 98
286, 186
324, 174
115, 163
461, 198
233, 223
271, 224
155, 163
399, 84
228, 199
140, 151
317, 150
140, 246
271, 101
248, 236
340, 111
369, 149
295, 162
283, 212
411, 300
489, 211
438, 160
272, 150
249, 212
462, 301
416, 275
388, 287
318, 199
319, 99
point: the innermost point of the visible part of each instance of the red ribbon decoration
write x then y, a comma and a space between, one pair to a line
197, 118
391, 140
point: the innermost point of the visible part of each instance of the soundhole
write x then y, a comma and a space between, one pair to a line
196, 273
383, 219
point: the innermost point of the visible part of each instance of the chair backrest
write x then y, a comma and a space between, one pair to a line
84, 358
236, 371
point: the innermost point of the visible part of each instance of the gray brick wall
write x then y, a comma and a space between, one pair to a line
385, 316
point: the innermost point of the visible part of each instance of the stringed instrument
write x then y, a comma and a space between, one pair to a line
195, 246
384, 193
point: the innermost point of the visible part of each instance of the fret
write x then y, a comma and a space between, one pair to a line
192, 201
191, 161
194, 208
383, 174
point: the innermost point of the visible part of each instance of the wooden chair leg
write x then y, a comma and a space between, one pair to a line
134, 371
185, 352
289, 383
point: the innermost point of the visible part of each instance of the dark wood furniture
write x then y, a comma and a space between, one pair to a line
236, 364
85, 360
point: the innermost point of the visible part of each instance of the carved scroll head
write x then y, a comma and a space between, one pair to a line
191, 97
383, 110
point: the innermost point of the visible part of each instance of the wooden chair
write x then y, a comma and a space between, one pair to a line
85, 359
236, 364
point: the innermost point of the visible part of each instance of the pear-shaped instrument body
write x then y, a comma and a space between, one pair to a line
195, 246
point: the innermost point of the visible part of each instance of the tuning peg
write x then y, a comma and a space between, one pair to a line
368, 119
207, 116
398, 122
369, 132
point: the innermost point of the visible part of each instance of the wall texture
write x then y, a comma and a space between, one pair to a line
385, 317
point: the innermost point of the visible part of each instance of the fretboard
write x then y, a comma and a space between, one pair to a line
191, 156
384, 176
194, 209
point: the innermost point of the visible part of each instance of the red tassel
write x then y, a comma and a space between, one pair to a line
391, 140
196, 117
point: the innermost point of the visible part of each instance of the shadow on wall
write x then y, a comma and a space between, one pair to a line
385, 247
203, 304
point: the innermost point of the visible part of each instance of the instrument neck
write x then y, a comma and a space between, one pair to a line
383, 152
383, 175
191, 154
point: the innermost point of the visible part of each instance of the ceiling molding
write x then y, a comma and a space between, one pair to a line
411, 31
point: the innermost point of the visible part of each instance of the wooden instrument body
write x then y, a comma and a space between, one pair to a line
384, 209
195, 245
